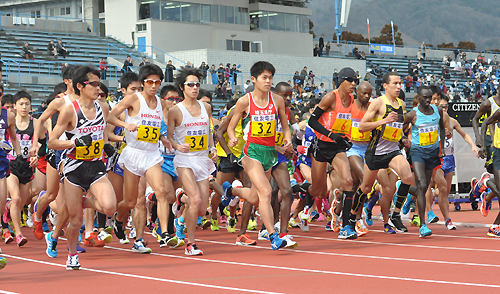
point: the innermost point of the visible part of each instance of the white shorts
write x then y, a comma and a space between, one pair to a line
137, 161
202, 166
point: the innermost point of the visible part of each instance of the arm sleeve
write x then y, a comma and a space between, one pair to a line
314, 122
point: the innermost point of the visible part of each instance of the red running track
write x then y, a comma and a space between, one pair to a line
458, 261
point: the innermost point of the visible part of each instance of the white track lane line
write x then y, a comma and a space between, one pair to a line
7, 292
143, 277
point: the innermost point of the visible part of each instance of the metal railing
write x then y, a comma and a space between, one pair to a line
49, 23
154, 53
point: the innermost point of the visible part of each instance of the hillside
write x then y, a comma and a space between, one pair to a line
434, 22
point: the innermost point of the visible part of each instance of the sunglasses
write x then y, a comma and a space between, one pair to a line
1, 94
93, 84
444, 105
102, 95
152, 82
173, 98
192, 84
350, 79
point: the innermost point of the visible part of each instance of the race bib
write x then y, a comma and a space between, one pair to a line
393, 132
279, 138
356, 135
25, 147
428, 135
197, 143
148, 134
342, 123
263, 126
93, 151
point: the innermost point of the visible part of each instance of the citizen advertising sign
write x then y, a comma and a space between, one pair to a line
464, 113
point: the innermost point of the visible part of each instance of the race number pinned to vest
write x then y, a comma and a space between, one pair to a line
263, 125
198, 140
148, 133
342, 123
393, 132
356, 135
428, 135
90, 152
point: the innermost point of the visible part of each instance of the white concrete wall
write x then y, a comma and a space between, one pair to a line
121, 20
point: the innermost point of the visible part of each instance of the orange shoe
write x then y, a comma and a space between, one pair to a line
8, 237
93, 241
244, 240
37, 229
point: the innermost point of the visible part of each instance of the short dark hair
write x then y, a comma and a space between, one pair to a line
446, 98
166, 89
204, 93
104, 89
387, 76
82, 75
50, 98
22, 94
421, 88
60, 88
149, 70
68, 71
436, 90
182, 75
231, 103
127, 79
281, 85
260, 66
7, 98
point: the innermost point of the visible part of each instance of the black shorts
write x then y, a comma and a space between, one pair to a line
225, 166
22, 170
326, 151
87, 173
495, 158
51, 158
376, 162
489, 154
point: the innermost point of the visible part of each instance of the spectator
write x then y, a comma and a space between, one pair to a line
355, 52
42, 107
494, 61
26, 52
61, 50
51, 48
316, 51
234, 73
127, 64
303, 75
445, 60
204, 70
445, 72
245, 86
220, 73
420, 55
1, 68
144, 62
169, 72
213, 74
410, 68
112, 102
408, 83
189, 64
390, 69
456, 52
321, 44
422, 48
327, 48
321, 88
367, 77
103, 66
311, 75
480, 59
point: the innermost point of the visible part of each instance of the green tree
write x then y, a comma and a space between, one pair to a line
311, 26
353, 37
466, 45
446, 45
386, 36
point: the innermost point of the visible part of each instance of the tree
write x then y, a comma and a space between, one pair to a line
466, 45
353, 37
386, 36
446, 45
311, 26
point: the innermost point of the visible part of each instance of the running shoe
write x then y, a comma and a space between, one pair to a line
228, 195
222, 219
432, 218
29, 219
304, 226
132, 234
277, 227
277, 242
293, 224
3, 262
124, 240
347, 233
21, 240
415, 221
226, 212
192, 249
244, 240
289, 242
368, 216
388, 229
167, 240
214, 226
157, 230
51, 246
263, 235
179, 229
199, 222
321, 217
7, 236
395, 221
424, 231
176, 207
72, 262
231, 225
80, 249
180, 243
361, 229
53, 218
93, 241
473, 183
105, 236
481, 184
485, 205
140, 246
45, 227
6, 213
118, 229
37, 229
313, 216
407, 205
24, 216
306, 213
449, 225
252, 223
335, 222
494, 231
205, 223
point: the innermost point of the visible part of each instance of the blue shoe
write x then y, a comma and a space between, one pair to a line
199, 222
432, 218
79, 238
424, 231
368, 216
179, 229
277, 242
329, 226
82, 229
408, 203
51, 246
80, 249
227, 196
45, 227
347, 233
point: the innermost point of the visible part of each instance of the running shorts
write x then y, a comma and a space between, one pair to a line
201, 165
266, 155
138, 161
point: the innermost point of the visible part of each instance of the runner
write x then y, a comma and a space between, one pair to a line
83, 122
259, 110
141, 157
426, 149
189, 122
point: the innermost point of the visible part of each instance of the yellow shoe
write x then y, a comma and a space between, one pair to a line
205, 223
231, 225
215, 225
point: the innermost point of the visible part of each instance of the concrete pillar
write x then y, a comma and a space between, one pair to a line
43, 11
90, 12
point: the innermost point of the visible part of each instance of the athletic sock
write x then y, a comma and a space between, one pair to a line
359, 199
346, 206
373, 201
263, 227
402, 193
395, 214
101, 220
171, 217
319, 205
352, 220
154, 212
4, 225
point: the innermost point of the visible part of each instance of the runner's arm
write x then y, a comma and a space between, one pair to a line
441, 131
65, 118
12, 132
238, 110
485, 107
490, 120
220, 133
126, 103
367, 124
324, 104
37, 126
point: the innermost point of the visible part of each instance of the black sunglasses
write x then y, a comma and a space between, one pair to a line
350, 79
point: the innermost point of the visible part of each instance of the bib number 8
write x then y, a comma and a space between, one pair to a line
148, 134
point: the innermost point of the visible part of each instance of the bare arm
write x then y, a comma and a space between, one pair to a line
441, 131
53, 107
490, 120
66, 116
485, 107
12, 132
113, 117
210, 137
367, 124
175, 116
220, 133
239, 109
